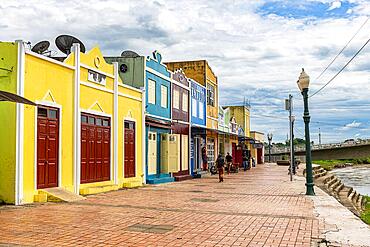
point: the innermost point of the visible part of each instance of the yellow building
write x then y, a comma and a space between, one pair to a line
201, 72
257, 147
241, 113
84, 136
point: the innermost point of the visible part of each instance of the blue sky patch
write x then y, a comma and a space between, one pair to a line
306, 9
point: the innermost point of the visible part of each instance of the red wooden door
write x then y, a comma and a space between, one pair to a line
259, 155
47, 147
233, 152
95, 148
239, 156
129, 149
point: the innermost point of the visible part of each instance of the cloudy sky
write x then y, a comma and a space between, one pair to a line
256, 47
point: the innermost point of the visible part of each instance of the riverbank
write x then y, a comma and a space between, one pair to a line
332, 164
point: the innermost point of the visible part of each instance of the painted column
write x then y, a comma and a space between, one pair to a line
19, 149
115, 125
144, 134
77, 120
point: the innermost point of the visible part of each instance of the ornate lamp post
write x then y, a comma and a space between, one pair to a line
303, 84
269, 137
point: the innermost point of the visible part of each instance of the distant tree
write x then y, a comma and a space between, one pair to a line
299, 141
279, 144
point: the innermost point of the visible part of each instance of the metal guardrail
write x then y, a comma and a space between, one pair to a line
277, 150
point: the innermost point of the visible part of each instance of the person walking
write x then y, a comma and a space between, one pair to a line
229, 161
220, 165
205, 159
245, 160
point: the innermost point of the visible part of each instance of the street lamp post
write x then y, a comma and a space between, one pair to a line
303, 84
269, 137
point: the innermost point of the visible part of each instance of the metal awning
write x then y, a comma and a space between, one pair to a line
6, 96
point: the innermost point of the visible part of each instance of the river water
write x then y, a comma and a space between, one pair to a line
357, 177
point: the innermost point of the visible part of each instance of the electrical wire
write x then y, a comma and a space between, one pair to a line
363, 46
299, 132
340, 52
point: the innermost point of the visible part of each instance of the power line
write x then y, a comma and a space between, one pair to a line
299, 132
268, 116
341, 69
340, 52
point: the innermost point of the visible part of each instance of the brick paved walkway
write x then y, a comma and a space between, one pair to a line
255, 208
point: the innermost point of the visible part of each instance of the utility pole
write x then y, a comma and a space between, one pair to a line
294, 165
319, 137
269, 137
289, 107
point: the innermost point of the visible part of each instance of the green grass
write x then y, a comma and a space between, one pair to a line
365, 216
331, 164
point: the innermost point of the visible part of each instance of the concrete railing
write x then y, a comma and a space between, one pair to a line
277, 150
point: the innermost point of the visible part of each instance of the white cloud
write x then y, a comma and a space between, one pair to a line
351, 125
335, 5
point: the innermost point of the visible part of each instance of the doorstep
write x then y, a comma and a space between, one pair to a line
159, 179
132, 182
183, 177
96, 189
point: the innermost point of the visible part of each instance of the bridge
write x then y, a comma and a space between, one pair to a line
345, 150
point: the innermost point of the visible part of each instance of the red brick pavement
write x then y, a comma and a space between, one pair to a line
260, 207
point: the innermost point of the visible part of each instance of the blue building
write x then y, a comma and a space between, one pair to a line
162, 147
198, 127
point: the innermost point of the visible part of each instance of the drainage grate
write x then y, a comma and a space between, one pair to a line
196, 191
204, 200
147, 228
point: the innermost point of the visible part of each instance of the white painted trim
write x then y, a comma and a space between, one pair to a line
143, 127
93, 112
130, 87
154, 72
180, 85
198, 125
96, 103
115, 125
96, 70
143, 132
51, 95
96, 86
59, 107
179, 121
51, 60
159, 117
216, 119
123, 145
129, 96
19, 148
77, 120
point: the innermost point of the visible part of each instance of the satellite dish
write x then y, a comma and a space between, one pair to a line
41, 47
131, 54
65, 42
